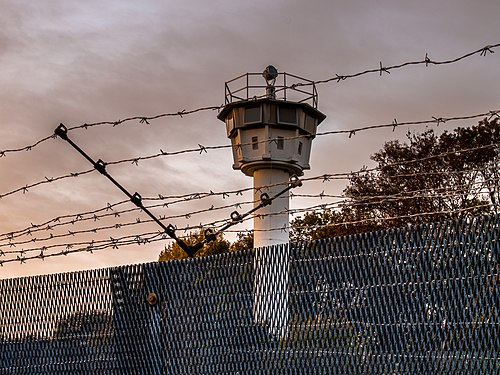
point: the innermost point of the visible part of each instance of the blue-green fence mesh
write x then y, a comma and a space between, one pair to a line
411, 300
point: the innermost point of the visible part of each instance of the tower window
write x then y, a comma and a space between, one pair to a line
280, 143
252, 115
300, 148
255, 143
287, 115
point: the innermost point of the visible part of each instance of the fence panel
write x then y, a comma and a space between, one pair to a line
419, 299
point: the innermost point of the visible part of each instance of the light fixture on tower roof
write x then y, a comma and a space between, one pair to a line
270, 74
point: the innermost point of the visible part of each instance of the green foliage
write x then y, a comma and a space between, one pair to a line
428, 178
219, 246
174, 251
244, 241
330, 223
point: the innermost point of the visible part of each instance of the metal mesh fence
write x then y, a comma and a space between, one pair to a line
413, 300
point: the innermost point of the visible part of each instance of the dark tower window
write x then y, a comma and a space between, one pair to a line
300, 148
252, 115
255, 143
280, 143
287, 115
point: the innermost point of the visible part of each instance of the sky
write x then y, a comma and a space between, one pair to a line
75, 63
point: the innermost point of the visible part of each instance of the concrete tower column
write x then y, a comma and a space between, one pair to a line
271, 222
270, 286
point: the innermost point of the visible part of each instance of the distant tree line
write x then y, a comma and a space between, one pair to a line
219, 246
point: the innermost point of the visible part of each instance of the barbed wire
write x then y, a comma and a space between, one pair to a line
150, 237
376, 199
434, 120
220, 223
137, 221
404, 195
320, 208
472, 189
393, 218
88, 246
92, 215
327, 177
381, 69
204, 149
141, 119
72, 219
489, 49
25, 189
357, 201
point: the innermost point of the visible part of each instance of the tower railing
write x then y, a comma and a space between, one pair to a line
288, 87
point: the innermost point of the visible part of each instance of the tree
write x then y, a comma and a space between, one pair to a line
174, 251
244, 242
330, 223
428, 178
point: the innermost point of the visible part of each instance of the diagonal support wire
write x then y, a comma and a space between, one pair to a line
62, 132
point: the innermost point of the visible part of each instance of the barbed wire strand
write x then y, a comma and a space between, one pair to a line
150, 237
489, 49
352, 201
203, 149
321, 207
119, 225
92, 215
112, 243
360, 201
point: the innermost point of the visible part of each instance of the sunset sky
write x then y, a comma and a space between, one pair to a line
77, 62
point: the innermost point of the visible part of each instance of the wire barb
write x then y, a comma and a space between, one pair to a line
486, 50
383, 70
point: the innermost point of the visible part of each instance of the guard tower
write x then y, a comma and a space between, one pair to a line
271, 127
271, 123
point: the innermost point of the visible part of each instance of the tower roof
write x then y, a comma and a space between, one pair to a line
306, 107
